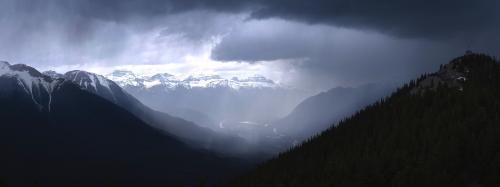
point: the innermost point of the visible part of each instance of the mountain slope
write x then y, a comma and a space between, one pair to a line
186, 131
441, 130
52, 133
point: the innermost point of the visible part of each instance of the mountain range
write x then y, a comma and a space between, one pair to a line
244, 136
56, 133
186, 131
210, 100
128, 79
83, 129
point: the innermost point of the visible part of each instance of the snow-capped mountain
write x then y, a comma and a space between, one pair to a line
170, 82
96, 84
53, 74
88, 80
38, 86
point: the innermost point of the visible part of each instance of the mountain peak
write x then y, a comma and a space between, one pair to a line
53, 74
22, 71
202, 77
258, 78
30, 70
455, 73
163, 77
470, 61
37, 85
88, 79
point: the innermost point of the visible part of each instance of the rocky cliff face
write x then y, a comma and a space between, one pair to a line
453, 74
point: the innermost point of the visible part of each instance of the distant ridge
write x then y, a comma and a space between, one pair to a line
168, 81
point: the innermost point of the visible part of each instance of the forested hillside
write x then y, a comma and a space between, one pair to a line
441, 130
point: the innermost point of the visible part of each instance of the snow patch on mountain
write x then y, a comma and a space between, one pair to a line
92, 82
31, 81
86, 79
125, 78
53, 74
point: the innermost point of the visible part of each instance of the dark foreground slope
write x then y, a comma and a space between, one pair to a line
69, 137
441, 130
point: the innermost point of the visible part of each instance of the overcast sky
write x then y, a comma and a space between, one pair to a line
315, 44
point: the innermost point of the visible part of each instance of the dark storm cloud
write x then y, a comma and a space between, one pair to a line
119, 10
413, 18
407, 18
